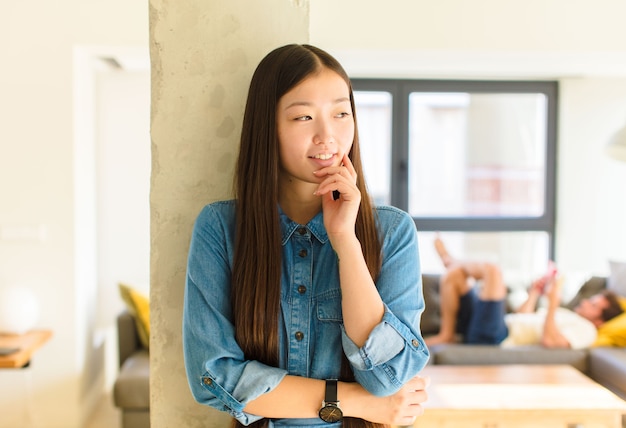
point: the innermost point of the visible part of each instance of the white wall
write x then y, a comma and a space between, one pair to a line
123, 185
37, 189
474, 27
591, 225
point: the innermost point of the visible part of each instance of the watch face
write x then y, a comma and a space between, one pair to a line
330, 413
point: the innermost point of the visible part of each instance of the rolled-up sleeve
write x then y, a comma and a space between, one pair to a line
394, 351
256, 379
217, 371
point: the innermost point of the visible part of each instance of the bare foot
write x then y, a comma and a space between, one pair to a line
443, 253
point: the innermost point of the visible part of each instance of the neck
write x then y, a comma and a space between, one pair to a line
300, 206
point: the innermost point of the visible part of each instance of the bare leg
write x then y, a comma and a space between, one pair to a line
445, 257
493, 286
452, 286
457, 282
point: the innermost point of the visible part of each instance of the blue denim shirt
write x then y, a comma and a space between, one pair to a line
311, 331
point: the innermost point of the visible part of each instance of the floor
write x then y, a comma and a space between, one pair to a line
106, 415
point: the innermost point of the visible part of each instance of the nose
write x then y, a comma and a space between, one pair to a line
323, 132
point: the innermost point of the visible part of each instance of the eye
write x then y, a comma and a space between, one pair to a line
303, 118
343, 114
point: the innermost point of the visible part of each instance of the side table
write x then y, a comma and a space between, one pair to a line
26, 345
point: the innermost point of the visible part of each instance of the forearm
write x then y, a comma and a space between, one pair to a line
530, 304
294, 397
299, 397
361, 304
552, 337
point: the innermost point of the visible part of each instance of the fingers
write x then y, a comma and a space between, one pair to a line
537, 286
337, 183
555, 289
345, 169
418, 383
406, 422
346, 162
409, 415
341, 178
415, 395
402, 408
334, 174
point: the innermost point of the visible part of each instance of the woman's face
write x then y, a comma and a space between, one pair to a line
315, 126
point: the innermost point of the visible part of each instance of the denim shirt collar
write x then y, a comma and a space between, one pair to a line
315, 226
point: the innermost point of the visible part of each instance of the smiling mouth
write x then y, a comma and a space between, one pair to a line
323, 156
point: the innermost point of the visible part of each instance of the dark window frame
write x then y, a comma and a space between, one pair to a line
400, 89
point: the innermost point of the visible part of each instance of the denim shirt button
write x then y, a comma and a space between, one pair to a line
415, 343
302, 230
207, 381
299, 335
301, 289
303, 253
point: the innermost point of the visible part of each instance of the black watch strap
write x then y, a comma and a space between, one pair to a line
331, 391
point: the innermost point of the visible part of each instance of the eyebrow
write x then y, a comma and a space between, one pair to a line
306, 103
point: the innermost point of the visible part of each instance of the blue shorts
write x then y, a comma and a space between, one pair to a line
481, 322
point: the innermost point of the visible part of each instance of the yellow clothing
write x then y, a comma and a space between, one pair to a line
613, 332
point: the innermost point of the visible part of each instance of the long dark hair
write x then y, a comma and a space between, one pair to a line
255, 284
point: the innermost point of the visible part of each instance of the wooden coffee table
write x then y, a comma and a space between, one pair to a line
516, 396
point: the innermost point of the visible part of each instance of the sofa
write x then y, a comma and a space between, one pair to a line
131, 390
605, 365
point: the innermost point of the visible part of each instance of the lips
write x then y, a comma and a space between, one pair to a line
323, 160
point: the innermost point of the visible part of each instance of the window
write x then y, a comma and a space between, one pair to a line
472, 160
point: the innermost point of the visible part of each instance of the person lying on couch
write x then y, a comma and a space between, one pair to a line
480, 317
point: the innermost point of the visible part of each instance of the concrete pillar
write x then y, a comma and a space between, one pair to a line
203, 53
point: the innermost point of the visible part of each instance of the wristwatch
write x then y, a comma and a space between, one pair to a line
330, 411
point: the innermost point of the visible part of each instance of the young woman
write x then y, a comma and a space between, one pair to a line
300, 281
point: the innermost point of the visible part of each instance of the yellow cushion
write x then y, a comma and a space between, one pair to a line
613, 332
138, 304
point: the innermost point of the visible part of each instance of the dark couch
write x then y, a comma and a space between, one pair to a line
131, 391
606, 366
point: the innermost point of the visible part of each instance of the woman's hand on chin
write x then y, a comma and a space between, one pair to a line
340, 198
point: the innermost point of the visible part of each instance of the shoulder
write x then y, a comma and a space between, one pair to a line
217, 213
392, 218
219, 208
396, 228
214, 227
